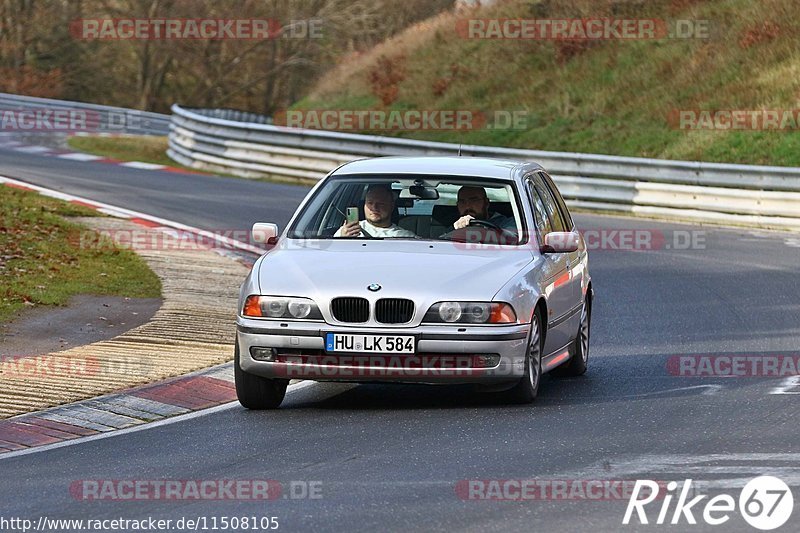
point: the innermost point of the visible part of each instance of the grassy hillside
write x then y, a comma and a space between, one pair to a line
611, 97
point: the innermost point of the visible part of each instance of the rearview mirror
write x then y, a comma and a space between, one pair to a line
264, 232
560, 242
424, 193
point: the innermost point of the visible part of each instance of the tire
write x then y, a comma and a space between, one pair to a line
528, 387
580, 347
256, 392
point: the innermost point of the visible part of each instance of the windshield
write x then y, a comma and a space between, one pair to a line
462, 209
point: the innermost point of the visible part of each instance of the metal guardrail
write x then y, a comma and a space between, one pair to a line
748, 195
95, 118
235, 115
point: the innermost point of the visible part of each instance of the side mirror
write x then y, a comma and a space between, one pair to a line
560, 242
264, 232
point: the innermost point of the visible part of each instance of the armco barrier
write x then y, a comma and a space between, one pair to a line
100, 118
247, 145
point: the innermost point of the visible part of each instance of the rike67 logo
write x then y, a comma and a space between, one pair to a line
765, 503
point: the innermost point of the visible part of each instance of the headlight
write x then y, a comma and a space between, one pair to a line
299, 308
477, 312
273, 308
471, 313
281, 307
450, 311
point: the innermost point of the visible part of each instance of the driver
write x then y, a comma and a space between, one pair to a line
473, 203
378, 209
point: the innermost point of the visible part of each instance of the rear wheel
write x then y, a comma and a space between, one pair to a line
580, 347
256, 392
528, 387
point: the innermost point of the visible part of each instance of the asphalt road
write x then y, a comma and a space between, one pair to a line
391, 457
225, 203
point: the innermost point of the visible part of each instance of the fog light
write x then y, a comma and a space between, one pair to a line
263, 354
486, 360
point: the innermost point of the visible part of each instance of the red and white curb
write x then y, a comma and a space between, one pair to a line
89, 158
137, 217
149, 403
142, 408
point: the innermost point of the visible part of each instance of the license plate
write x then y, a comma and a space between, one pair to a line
345, 342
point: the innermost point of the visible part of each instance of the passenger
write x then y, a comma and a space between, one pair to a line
378, 208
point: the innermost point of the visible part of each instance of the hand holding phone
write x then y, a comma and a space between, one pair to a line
351, 227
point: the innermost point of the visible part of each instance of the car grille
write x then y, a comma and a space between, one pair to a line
394, 310
350, 309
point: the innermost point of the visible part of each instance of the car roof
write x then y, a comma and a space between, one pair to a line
449, 166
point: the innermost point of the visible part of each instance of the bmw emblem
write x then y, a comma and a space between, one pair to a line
374, 287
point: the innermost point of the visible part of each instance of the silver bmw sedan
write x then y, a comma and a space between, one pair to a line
426, 270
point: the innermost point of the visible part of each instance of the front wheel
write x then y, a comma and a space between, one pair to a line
256, 392
528, 387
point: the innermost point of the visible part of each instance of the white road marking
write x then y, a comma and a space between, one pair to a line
77, 156
708, 391
143, 427
706, 471
790, 385
113, 213
32, 149
142, 165
54, 194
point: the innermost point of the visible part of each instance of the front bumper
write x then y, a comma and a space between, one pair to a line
444, 354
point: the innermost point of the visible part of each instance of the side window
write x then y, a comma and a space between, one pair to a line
539, 212
549, 204
560, 201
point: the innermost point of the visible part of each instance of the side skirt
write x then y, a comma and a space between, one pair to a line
557, 358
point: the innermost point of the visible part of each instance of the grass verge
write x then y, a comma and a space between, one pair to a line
142, 148
45, 258
153, 150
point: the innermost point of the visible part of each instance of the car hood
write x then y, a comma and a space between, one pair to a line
421, 270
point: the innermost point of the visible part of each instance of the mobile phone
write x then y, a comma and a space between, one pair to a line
352, 214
